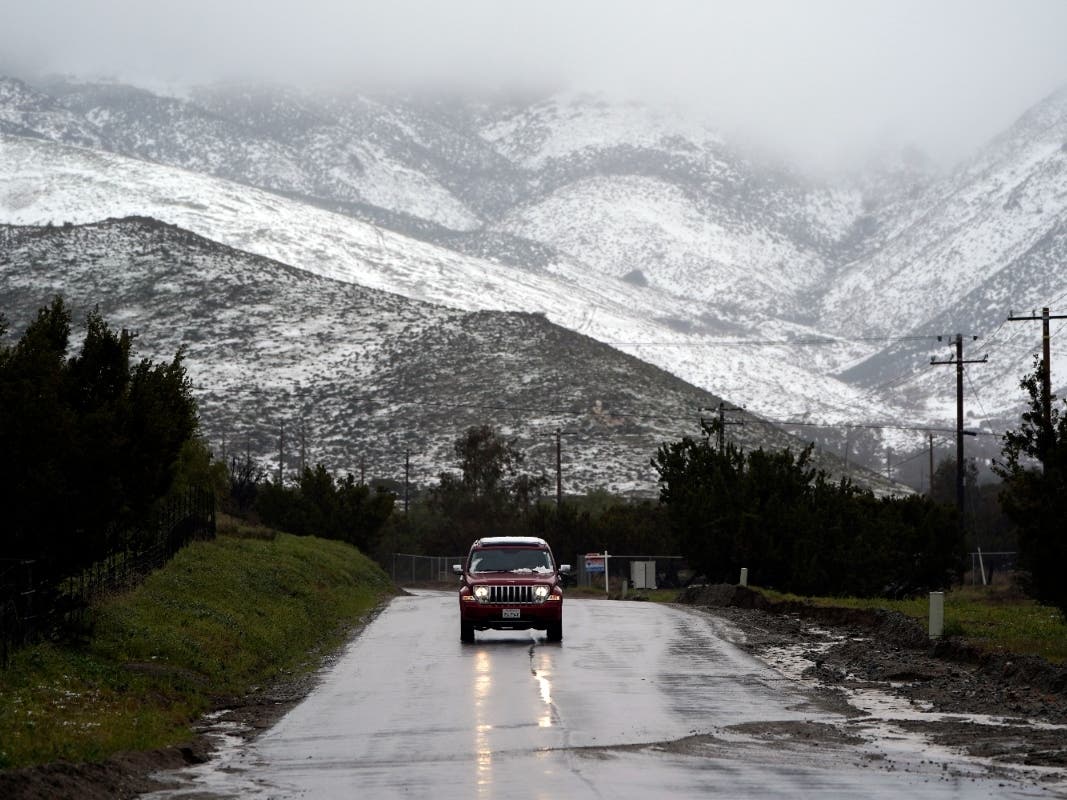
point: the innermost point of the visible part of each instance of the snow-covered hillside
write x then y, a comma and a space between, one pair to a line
995, 214
357, 377
990, 240
649, 232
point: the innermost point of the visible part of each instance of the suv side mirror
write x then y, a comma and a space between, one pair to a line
457, 569
564, 569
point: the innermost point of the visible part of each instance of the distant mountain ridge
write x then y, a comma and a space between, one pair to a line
793, 297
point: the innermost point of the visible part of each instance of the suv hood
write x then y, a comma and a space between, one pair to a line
513, 577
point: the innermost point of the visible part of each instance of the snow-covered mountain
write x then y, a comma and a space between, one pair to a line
356, 377
641, 228
964, 254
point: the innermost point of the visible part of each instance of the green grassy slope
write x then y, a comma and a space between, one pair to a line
220, 618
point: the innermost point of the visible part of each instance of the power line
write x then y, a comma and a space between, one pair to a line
920, 454
496, 407
884, 386
974, 391
810, 342
783, 423
570, 412
878, 426
908, 373
991, 337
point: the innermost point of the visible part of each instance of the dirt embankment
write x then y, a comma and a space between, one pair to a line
129, 775
860, 649
122, 776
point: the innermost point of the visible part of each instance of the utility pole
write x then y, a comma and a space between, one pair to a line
281, 452
848, 447
1046, 369
559, 469
407, 475
559, 434
960, 433
889, 463
931, 492
722, 408
362, 470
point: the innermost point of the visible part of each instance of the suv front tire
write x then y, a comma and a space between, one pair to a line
466, 631
554, 633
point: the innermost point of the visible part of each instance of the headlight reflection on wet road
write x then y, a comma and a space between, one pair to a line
544, 685
483, 752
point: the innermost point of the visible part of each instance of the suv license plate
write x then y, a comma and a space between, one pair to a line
511, 613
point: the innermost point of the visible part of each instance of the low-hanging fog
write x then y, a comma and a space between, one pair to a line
827, 82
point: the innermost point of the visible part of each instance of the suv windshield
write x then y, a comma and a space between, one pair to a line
511, 559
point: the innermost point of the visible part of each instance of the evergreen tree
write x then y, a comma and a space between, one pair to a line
90, 444
775, 514
701, 487
320, 505
1034, 496
490, 496
37, 428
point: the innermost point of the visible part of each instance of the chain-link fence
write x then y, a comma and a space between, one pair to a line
664, 572
656, 572
408, 569
987, 568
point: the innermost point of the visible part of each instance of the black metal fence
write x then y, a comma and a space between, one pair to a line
38, 599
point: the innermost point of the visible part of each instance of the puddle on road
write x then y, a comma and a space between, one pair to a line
904, 735
539, 669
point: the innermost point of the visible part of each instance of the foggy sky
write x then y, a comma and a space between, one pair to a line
823, 80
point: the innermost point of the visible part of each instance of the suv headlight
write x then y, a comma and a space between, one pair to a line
481, 592
540, 593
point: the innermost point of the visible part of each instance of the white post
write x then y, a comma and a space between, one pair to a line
937, 614
607, 591
981, 565
744, 576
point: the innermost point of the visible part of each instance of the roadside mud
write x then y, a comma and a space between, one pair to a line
1008, 709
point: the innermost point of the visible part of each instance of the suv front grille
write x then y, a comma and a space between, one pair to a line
511, 594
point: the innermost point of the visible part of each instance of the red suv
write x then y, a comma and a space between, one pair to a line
510, 583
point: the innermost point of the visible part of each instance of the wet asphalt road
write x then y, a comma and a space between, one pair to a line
639, 701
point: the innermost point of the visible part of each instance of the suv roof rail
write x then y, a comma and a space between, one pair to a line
510, 541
